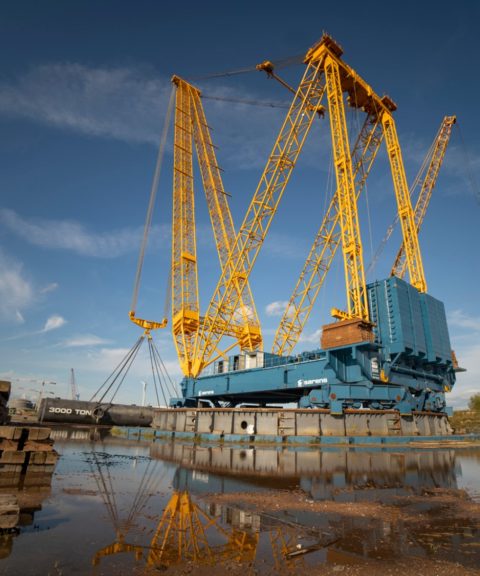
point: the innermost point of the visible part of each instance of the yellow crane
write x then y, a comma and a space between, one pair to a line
325, 73
191, 126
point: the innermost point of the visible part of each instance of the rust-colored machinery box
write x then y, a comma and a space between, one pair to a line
346, 332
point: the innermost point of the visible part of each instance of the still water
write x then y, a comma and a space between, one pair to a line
118, 506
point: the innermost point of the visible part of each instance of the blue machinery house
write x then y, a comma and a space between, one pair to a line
407, 367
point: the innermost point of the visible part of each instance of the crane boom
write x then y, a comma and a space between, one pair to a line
325, 72
404, 205
246, 325
440, 146
357, 304
185, 301
325, 245
260, 213
191, 126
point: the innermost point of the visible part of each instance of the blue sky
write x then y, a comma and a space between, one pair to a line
83, 93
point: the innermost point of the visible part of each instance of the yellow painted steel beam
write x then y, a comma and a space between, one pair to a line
404, 205
185, 300
246, 324
191, 126
439, 148
357, 305
361, 95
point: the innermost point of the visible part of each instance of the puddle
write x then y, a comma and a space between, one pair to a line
119, 506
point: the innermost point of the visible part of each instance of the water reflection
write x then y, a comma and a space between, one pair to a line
321, 473
338, 506
26, 495
102, 466
141, 508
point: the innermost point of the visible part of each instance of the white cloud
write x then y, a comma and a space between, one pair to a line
53, 323
459, 319
468, 383
85, 340
49, 288
106, 359
73, 236
276, 308
285, 246
465, 342
313, 338
16, 291
128, 104
121, 103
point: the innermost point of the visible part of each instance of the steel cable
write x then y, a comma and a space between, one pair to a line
119, 368
124, 365
128, 366
153, 194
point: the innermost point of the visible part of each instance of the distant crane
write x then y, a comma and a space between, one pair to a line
73, 385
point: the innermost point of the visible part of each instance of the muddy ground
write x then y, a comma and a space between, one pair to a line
435, 532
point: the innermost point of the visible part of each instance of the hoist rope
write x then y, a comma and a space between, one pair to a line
148, 487
278, 64
161, 378
153, 194
154, 374
121, 366
358, 128
369, 218
160, 374
330, 191
106, 490
121, 380
169, 384
263, 103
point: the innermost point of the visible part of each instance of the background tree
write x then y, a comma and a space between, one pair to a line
474, 403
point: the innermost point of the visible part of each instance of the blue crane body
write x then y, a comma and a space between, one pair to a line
407, 366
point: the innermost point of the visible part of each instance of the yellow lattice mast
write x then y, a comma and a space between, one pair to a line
181, 534
191, 126
404, 205
327, 240
185, 301
245, 325
357, 305
438, 153
252, 233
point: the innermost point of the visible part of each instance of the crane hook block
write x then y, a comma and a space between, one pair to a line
147, 324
